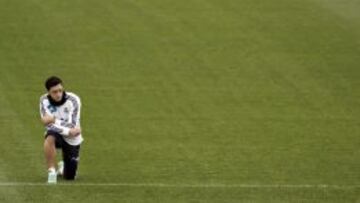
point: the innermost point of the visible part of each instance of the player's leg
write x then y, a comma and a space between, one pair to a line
50, 151
71, 160
52, 141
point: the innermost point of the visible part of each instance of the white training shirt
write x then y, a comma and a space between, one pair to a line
67, 116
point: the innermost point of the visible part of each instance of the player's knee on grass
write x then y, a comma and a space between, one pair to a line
70, 168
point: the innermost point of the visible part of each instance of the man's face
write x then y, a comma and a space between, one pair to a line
56, 92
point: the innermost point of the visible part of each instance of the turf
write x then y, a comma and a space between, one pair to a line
197, 92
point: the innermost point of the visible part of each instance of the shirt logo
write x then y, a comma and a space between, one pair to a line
52, 108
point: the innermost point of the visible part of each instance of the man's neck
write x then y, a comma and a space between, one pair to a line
58, 103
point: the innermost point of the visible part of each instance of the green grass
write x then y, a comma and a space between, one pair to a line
187, 92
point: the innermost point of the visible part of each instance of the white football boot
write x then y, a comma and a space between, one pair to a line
60, 170
52, 176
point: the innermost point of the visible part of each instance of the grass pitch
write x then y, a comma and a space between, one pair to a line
186, 101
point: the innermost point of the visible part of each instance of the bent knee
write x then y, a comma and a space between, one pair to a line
49, 140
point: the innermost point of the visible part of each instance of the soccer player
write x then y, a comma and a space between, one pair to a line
60, 113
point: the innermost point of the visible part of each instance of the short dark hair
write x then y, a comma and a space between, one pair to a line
52, 81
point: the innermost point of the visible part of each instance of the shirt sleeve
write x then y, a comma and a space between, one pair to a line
59, 129
64, 123
43, 109
75, 112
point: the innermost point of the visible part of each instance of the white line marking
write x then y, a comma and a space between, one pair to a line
169, 185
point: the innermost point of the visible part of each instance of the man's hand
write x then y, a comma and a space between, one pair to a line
47, 119
74, 132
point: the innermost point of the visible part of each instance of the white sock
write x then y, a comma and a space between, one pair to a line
52, 170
